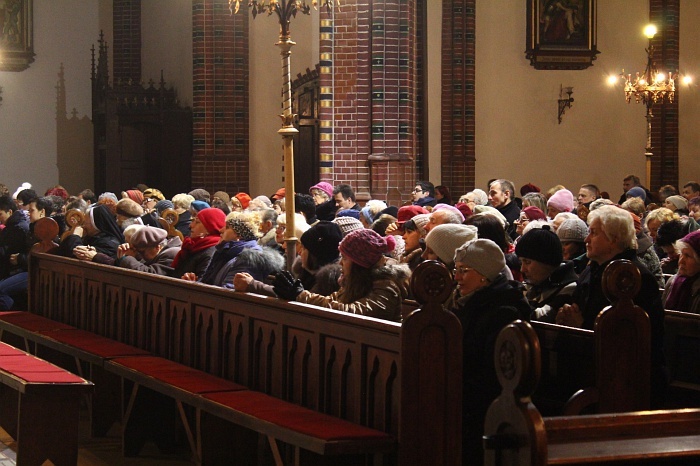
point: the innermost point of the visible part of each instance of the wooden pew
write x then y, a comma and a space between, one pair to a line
332, 362
682, 351
40, 407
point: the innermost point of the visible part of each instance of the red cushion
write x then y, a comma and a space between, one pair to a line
31, 322
93, 343
295, 417
178, 375
8, 350
33, 369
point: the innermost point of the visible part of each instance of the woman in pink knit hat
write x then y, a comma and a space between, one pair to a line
369, 285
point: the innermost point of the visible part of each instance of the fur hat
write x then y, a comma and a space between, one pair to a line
213, 219
200, 195
348, 224
323, 186
679, 201
322, 241
407, 212
445, 239
147, 237
562, 200
129, 208
153, 193
637, 192
534, 213
349, 213
482, 255
572, 230
541, 245
365, 247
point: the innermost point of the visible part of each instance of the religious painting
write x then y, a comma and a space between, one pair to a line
561, 34
16, 38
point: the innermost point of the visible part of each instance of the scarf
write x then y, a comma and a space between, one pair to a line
194, 245
680, 293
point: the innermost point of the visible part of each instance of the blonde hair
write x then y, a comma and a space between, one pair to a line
662, 215
183, 201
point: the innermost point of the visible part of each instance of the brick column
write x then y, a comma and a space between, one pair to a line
220, 97
458, 95
126, 18
664, 126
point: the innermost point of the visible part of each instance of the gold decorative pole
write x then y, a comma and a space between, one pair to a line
647, 152
285, 10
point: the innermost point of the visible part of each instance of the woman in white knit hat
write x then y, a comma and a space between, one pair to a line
487, 302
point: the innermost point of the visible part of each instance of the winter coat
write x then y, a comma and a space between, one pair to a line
232, 257
160, 265
694, 305
13, 240
547, 297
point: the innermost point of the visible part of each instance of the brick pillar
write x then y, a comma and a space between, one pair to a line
664, 126
371, 97
458, 95
220, 97
127, 40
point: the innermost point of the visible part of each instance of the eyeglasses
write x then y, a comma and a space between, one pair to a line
522, 220
415, 191
461, 270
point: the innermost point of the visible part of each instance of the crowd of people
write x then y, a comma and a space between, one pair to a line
537, 256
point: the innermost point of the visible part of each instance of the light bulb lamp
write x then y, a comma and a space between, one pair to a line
285, 10
650, 87
564, 103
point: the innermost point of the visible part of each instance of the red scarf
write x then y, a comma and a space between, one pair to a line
194, 245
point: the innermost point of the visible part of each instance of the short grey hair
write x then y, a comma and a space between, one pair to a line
617, 225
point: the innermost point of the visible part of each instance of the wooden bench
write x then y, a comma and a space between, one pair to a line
516, 433
39, 407
338, 388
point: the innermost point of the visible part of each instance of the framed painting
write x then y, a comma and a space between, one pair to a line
561, 34
16, 37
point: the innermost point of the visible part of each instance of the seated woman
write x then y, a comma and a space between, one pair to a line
368, 286
682, 292
486, 303
198, 248
238, 251
149, 250
414, 234
96, 240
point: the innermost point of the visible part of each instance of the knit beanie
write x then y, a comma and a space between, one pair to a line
450, 208
322, 241
679, 201
365, 247
562, 200
693, 240
572, 230
147, 237
242, 229
21, 188
488, 210
348, 224
446, 238
197, 206
129, 208
134, 194
407, 212
222, 195
637, 192
529, 188
541, 245
482, 255
366, 214
244, 198
200, 195
323, 186
421, 220
213, 219
164, 205
349, 213
153, 193
534, 213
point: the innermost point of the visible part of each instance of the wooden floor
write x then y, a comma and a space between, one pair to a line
103, 451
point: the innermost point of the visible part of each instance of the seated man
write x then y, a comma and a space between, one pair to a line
149, 250
549, 280
612, 236
424, 194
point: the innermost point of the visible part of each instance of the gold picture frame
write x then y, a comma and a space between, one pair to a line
561, 34
16, 35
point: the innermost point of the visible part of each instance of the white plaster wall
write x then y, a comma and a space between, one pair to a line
28, 113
